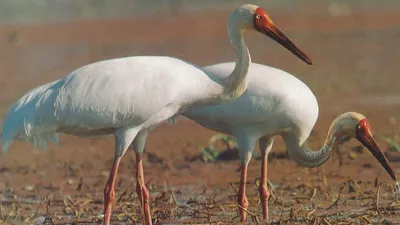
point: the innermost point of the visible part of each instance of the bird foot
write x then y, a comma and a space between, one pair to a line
144, 196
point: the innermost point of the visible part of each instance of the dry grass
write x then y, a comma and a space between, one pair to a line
314, 200
292, 203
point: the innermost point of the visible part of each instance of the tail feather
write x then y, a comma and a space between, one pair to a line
31, 118
42, 140
5, 143
39, 135
24, 128
39, 141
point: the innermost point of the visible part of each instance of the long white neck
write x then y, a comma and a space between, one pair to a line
303, 155
236, 83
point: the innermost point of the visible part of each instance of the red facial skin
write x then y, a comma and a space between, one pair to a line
364, 135
263, 23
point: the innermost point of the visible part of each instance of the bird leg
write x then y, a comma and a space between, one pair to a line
242, 199
109, 194
263, 188
141, 190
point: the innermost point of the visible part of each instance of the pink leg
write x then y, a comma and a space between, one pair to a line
264, 193
242, 199
109, 194
141, 190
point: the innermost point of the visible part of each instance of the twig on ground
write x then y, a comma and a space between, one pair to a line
377, 198
38, 207
173, 197
311, 212
326, 221
254, 217
357, 187
313, 194
366, 219
335, 203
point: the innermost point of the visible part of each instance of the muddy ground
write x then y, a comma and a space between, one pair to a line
356, 68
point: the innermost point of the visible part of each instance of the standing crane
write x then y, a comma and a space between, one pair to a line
277, 103
128, 97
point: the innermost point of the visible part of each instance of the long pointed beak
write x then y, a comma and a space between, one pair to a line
273, 32
369, 142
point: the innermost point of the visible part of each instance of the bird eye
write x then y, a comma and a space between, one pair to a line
258, 16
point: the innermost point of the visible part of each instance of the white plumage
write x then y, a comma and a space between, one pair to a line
108, 96
274, 102
277, 103
128, 97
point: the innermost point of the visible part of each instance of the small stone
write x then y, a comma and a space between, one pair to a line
29, 188
105, 173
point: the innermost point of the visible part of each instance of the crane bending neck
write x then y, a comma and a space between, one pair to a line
303, 155
236, 83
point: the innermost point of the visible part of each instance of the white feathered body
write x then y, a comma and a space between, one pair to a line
275, 102
99, 98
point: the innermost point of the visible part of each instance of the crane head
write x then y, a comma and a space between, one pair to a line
264, 24
364, 135
253, 17
356, 125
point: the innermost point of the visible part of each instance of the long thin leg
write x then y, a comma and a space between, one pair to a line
109, 193
242, 199
265, 147
246, 147
141, 189
138, 145
264, 192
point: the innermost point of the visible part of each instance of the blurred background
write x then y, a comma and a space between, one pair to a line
352, 42
354, 46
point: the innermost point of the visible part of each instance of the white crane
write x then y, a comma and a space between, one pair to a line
277, 103
128, 97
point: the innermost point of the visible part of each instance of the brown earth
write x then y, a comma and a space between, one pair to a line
356, 66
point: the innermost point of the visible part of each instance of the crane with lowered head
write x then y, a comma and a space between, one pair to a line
279, 105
